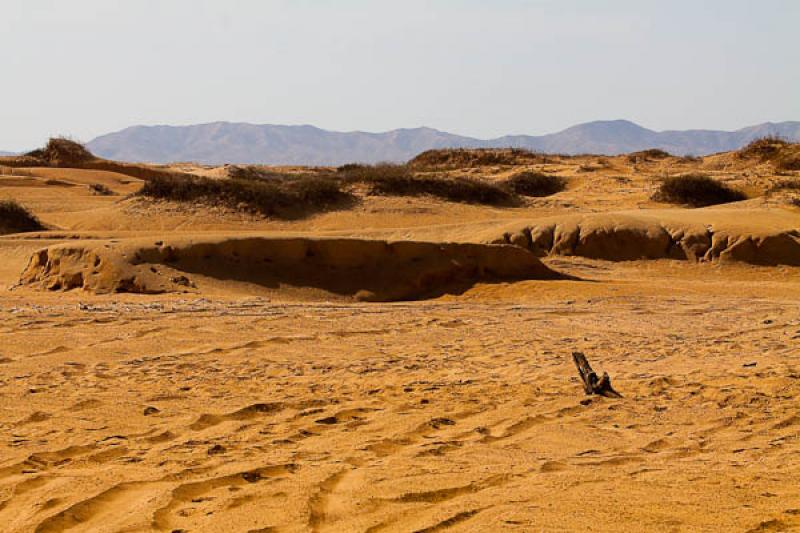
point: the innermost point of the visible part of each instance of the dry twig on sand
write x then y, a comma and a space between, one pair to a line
591, 383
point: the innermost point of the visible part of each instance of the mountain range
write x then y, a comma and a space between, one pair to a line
227, 142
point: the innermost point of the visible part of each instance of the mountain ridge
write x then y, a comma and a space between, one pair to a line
241, 142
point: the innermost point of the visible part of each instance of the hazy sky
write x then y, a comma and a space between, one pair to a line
481, 68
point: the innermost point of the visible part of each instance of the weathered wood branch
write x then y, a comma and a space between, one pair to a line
591, 383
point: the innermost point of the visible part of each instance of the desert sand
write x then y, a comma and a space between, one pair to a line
403, 364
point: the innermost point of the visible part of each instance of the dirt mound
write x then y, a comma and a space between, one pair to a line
61, 152
369, 270
763, 148
475, 157
65, 153
782, 154
697, 235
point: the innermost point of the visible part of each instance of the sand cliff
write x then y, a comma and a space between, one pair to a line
371, 270
761, 237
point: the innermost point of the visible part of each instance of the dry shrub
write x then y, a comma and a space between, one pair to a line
647, 155
783, 154
784, 185
65, 153
450, 158
535, 184
696, 190
789, 159
254, 172
763, 148
398, 180
351, 167
287, 198
359, 173
62, 152
14, 218
100, 189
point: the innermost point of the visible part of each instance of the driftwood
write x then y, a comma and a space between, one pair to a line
591, 383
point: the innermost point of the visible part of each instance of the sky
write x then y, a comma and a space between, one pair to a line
482, 68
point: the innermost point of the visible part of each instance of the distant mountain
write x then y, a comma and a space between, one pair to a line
2, 153
226, 142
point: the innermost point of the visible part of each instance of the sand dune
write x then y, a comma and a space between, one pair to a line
255, 393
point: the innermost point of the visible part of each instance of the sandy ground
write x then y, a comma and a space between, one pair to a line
229, 410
